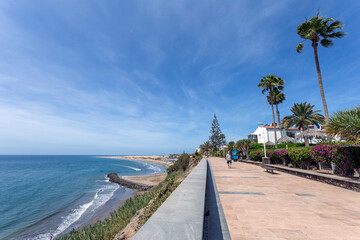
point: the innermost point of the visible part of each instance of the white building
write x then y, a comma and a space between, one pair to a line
266, 133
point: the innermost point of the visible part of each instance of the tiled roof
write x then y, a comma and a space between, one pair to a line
271, 127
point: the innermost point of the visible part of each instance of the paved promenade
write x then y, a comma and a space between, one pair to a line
260, 205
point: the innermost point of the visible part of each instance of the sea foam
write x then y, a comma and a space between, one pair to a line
101, 196
152, 167
136, 169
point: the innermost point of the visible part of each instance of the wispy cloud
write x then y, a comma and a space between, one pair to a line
146, 77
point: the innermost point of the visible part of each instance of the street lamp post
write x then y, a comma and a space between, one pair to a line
260, 124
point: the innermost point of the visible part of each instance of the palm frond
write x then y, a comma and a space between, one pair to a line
299, 47
345, 123
339, 34
303, 116
303, 29
278, 97
269, 82
320, 29
334, 25
327, 42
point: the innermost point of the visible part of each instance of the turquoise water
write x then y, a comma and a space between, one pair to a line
49, 195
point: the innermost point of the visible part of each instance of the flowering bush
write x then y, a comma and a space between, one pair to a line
277, 156
282, 155
274, 157
324, 153
342, 159
346, 158
256, 155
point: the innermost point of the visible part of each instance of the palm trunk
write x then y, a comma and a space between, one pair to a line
274, 122
278, 116
306, 140
315, 44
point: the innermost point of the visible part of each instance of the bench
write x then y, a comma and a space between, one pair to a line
268, 168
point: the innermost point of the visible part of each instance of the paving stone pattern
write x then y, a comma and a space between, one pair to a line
291, 207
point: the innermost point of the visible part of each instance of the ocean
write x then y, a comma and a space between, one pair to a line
43, 196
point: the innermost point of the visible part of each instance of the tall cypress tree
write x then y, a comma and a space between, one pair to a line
216, 139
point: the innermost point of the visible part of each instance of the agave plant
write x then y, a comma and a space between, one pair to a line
303, 116
345, 123
320, 29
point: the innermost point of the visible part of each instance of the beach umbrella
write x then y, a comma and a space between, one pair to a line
310, 133
268, 143
286, 139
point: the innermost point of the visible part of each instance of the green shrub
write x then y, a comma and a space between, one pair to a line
181, 164
291, 145
220, 153
172, 175
260, 146
301, 157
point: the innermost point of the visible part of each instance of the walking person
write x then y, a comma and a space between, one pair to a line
228, 159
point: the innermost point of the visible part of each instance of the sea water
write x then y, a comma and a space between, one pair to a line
43, 196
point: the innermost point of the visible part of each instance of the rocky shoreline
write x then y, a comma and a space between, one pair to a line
114, 178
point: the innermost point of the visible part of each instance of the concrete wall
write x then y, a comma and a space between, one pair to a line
181, 216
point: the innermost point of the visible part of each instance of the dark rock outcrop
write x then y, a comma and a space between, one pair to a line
114, 178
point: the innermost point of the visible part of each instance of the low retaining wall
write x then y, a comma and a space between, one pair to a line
181, 216
339, 181
215, 222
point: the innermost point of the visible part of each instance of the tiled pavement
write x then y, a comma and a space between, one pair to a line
260, 205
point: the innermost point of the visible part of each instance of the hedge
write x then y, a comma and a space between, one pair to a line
260, 146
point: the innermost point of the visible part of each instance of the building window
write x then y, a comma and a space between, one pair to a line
290, 134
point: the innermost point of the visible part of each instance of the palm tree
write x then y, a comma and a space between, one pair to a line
320, 29
230, 145
268, 83
303, 116
278, 97
345, 123
205, 147
222, 139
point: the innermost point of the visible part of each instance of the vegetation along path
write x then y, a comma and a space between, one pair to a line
260, 205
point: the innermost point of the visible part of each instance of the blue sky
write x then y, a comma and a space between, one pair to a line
146, 77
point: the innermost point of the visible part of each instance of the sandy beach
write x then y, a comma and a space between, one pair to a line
153, 180
151, 159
